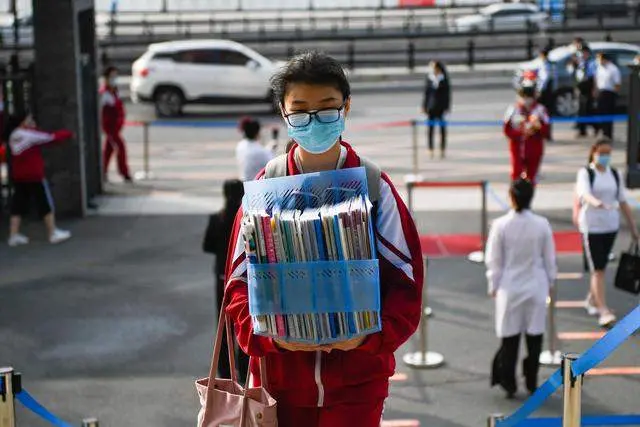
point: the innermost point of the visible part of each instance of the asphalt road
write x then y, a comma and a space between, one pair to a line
118, 322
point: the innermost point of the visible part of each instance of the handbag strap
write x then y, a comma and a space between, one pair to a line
223, 321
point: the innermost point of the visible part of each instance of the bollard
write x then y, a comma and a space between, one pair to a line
7, 404
478, 256
572, 393
493, 420
411, 56
414, 136
145, 173
424, 359
552, 356
470, 53
90, 422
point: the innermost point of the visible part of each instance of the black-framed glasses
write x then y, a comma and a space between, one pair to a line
303, 118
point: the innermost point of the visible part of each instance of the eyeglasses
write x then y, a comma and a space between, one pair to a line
303, 118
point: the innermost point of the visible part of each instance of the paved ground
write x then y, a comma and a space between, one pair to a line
118, 322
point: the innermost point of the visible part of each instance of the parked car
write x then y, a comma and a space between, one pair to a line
566, 102
173, 74
503, 17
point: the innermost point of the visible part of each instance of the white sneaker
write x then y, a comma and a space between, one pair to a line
59, 236
592, 310
17, 240
606, 319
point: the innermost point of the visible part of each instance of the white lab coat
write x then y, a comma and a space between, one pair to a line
521, 268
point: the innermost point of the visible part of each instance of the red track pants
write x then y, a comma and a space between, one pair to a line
358, 414
115, 142
526, 159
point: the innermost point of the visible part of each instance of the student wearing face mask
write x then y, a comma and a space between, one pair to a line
113, 118
342, 384
526, 125
602, 195
437, 103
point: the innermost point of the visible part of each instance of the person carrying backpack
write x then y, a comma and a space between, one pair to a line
602, 194
342, 384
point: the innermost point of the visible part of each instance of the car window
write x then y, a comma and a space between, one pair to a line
164, 55
511, 12
233, 57
624, 57
212, 57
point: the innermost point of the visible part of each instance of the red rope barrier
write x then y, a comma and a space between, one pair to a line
435, 184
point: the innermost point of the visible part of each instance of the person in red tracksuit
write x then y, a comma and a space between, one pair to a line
28, 176
526, 125
343, 384
113, 117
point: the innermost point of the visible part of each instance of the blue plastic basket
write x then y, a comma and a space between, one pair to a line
315, 302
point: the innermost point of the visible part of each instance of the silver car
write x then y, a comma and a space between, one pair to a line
565, 101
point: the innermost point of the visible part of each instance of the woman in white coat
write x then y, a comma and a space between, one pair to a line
521, 268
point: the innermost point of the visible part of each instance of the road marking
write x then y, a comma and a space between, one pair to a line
398, 376
577, 336
400, 423
618, 370
570, 304
570, 276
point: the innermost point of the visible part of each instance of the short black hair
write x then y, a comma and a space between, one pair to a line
521, 192
545, 51
312, 67
107, 71
250, 127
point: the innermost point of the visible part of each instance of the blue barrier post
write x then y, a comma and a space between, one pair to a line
572, 393
7, 404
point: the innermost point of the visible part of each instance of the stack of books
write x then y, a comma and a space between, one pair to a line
339, 232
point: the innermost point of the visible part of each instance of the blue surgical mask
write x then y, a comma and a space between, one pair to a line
316, 137
603, 159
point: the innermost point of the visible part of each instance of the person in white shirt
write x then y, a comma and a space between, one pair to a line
608, 82
251, 155
521, 268
602, 195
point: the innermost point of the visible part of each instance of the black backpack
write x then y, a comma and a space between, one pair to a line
616, 176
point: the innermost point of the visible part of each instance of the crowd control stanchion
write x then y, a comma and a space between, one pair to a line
424, 359
572, 393
478, 256
410, 179
146, 172
493, 420
7, 393
552, 356
90, 422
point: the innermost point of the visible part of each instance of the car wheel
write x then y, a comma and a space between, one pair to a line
169, 102
565, 103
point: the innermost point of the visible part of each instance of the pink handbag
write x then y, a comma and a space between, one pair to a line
227, 404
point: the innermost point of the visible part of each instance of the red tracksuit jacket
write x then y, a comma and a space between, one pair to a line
113, 113
27, 164
316, 379
526, 151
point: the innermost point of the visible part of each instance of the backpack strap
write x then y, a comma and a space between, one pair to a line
373, 178
276, 167
616, 177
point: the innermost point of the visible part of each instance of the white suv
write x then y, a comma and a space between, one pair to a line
173, 74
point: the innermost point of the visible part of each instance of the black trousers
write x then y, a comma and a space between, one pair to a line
242, 360
585, 108
607, 106
437, 115
546, 99
506, 360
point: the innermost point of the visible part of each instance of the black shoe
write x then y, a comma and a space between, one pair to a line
510, 395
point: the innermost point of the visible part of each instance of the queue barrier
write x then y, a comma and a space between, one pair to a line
415, 181
570, 376
11, 389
